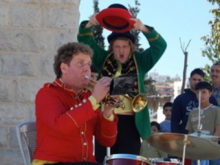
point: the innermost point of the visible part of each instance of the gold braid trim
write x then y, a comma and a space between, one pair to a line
72, 119
154, 38
86, 34
110, 137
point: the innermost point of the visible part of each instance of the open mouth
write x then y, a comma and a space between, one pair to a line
121, 56
214, 77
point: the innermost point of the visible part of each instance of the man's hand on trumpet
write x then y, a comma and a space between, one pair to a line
101, 89
92, 81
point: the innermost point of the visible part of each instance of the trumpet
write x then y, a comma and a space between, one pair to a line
139, 102
110, 100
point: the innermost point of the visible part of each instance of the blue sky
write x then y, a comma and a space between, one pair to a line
173, 19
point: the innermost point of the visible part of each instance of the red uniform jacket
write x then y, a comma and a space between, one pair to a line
66, 124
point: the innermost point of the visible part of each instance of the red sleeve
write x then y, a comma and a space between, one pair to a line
106, 131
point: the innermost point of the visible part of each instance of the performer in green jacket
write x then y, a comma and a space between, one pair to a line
123, 59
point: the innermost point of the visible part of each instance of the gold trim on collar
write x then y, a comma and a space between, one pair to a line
137, 72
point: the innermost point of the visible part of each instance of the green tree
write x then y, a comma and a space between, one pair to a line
98, 30
212, 41
150, 87
134, 12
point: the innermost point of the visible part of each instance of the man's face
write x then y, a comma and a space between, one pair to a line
205, 95
74, 73
196, 78
215, 75
121, 49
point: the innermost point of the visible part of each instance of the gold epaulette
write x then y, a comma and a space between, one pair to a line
86, 34
154, 38
49, 85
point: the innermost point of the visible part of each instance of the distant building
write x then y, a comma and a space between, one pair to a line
177, 88
165, 90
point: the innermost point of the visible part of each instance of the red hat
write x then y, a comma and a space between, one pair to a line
115, 18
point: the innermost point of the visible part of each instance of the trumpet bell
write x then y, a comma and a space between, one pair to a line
139, 102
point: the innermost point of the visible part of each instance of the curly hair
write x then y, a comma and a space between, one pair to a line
66, 52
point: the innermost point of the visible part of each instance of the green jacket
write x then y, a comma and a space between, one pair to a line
144, 61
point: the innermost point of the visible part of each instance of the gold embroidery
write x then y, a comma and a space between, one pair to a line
72, 119
84, 140
86, 34
110, 63
110, 137
154, 38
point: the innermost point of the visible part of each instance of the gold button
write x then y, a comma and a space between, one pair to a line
84, 143
82, 132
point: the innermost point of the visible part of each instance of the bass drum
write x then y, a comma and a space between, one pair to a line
126, 159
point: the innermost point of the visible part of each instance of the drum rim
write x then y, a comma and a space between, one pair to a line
127, 156
166, 162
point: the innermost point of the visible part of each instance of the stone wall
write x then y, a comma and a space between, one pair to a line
30, 33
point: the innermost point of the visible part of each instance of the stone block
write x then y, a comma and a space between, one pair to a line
27, 64
17, 65
26, 15
13, 141
13, 113
4, 15
9, 157
3, 136
44, 1
60, 17
7, 90
65, 36
61, 2
43, 65
32, 113
26, 40
27, 88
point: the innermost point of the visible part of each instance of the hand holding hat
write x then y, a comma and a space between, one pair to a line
138, 25
92, 21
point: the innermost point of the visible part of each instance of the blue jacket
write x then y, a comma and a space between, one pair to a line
182, 106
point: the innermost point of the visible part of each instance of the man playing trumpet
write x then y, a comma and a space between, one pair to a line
68, 115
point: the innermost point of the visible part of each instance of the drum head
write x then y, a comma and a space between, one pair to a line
126, 159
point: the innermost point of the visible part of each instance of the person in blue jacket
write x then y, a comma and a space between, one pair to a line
186, 102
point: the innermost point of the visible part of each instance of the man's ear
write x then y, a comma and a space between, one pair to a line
63, 67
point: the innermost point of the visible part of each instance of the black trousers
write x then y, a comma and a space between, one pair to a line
128, 139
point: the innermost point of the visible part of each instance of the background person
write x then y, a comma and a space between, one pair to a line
123, 59
186, 102
215, 76
149, 151
209, 115
165, 125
